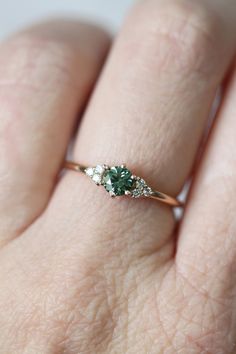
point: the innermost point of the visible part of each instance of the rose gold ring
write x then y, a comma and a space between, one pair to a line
119, 181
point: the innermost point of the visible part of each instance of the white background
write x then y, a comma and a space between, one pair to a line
17, 13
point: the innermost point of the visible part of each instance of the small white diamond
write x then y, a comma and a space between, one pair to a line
99, 169
136, 193
147, 191
142, 183
89, 172
97, 178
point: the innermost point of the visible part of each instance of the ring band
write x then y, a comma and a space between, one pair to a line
118, 181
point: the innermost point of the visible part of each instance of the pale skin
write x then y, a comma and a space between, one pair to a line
80, 272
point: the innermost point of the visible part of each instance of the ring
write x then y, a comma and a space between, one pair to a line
119, 181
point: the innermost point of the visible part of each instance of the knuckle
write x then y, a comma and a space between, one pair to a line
36, 62
178, 34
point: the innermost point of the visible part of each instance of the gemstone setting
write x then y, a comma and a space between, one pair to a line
118, 180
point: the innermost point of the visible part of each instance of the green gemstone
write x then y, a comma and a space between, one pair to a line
118, 180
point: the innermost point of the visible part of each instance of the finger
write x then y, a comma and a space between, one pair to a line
46, 74
149, 111
207, 236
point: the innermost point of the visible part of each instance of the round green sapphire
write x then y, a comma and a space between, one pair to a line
118, 180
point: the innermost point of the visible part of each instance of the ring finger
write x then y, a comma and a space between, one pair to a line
151, 103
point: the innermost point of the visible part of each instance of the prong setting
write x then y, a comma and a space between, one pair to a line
112, 194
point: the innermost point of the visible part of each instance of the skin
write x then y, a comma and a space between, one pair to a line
82, 273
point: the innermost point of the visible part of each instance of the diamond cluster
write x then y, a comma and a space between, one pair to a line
118, 180
96, 173
141, 188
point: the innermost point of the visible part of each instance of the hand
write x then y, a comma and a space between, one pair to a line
81, 272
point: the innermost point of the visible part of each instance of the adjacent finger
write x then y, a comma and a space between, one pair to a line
46, 74
149, 111
207, 238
